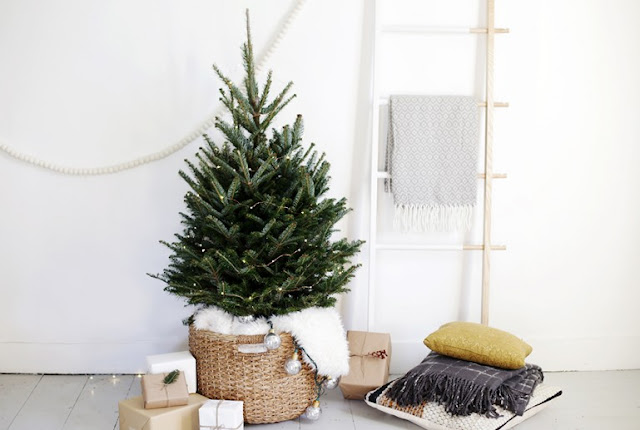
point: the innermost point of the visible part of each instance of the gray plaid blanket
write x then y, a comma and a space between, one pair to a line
464, 387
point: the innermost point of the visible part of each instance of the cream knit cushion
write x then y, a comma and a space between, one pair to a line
432, 416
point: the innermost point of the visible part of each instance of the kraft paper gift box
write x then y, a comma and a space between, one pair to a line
157, 394
182, 361
370, 354
221, 415
133, 415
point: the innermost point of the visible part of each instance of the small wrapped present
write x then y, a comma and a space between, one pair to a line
221, 415
133, 415
163, 390
183, 361
369, 356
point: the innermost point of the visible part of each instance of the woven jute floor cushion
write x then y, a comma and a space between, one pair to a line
258, 379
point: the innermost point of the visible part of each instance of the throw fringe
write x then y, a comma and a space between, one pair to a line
464, 396
459, 397
423, 218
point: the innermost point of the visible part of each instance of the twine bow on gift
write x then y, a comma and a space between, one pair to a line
219, 426
381, 354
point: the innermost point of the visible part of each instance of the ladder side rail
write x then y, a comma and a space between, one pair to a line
373, 201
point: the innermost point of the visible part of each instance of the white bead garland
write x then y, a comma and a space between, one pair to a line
205, 125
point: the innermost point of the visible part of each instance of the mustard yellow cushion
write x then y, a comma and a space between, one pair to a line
480, 344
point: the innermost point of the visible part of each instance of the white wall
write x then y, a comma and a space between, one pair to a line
568, 211
97, 83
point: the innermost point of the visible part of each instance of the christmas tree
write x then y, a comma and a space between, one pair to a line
257, 229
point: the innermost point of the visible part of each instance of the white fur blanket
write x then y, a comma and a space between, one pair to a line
318, 330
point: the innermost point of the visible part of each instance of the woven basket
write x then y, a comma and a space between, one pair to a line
269, 394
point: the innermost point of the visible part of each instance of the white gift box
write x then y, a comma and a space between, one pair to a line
182, 361
221, 414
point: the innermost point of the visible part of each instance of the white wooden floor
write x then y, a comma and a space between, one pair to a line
590, 401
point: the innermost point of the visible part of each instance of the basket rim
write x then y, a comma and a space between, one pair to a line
241, 338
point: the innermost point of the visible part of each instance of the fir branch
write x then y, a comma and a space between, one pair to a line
241, 159
278, 100
233, 135
171, 377
266, 165
234, 91
247, 55
267, 228
298, 129
265, 91
309, 186
273, 113
233, 188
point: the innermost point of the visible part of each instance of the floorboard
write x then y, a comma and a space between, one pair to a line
590, 401
97, 405
50, 403
14, 392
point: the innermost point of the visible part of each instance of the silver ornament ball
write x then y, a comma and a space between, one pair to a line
293, 366
272, 340
331, 383
246, 319
313, 412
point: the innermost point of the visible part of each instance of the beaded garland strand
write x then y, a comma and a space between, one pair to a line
164, 153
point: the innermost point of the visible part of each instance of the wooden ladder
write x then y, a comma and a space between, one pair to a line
488, 175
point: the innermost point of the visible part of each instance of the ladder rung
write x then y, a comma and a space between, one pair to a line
385, 175
485, 30
438, 30
495, 104
419, 247
481, 247
494, 176
385, 101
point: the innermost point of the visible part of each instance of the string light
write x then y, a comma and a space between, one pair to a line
330, 383
293, 366
272, 340
313, 412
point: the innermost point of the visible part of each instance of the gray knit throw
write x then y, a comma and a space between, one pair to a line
432, 152
464, 387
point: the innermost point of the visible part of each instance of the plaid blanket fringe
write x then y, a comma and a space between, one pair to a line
462, 395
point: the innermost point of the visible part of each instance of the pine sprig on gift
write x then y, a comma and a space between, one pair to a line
171, 377
258, 231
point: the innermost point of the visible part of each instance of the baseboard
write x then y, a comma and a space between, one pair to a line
552, 354
83, 358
